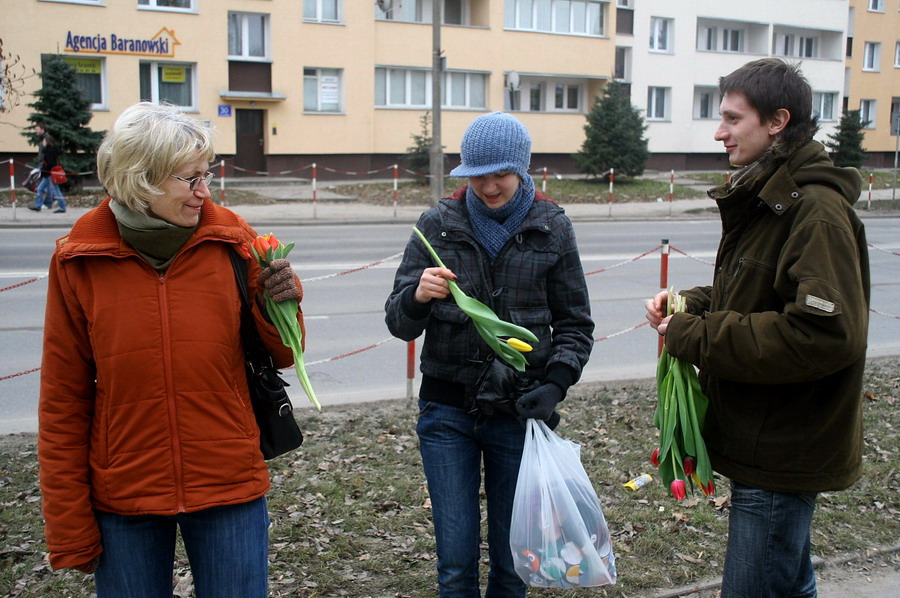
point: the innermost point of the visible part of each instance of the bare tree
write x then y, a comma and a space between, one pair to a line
13, 75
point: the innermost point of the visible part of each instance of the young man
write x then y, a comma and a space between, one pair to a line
780, 336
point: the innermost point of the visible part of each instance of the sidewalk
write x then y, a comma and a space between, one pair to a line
295, 206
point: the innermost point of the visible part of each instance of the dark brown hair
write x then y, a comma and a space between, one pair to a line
770, 84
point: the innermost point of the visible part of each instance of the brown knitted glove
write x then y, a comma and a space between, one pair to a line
279, 281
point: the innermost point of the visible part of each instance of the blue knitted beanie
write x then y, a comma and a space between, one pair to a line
494, 142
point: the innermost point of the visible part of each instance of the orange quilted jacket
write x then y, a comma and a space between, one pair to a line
144, 407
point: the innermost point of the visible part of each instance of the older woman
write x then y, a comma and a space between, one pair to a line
146, 426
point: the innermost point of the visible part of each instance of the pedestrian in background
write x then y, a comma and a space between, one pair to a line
145, 420
780, 335
48, 191
513, 249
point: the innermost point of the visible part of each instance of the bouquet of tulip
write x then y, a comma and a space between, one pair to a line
501, 336
680, 411
283, 314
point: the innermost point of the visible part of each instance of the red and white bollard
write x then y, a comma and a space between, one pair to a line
314, 189
663, 282
12, 186
410, 368
612, 176
222, 183
396, 175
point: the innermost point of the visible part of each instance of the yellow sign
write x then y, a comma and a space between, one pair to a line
84, 66
173, 74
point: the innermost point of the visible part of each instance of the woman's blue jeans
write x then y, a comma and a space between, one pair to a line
226, 546
768, 544
453, 444
46, 192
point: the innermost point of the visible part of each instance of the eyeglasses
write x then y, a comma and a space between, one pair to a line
194, 181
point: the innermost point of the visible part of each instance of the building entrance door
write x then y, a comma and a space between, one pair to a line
249, 146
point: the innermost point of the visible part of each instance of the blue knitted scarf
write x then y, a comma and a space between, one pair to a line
493, 228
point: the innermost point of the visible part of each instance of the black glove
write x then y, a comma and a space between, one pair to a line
540, 403
279, 281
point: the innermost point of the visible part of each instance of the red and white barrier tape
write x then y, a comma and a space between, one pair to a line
628, 261
352, 270
23, 283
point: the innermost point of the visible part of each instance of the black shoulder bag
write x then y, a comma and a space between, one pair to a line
278, 430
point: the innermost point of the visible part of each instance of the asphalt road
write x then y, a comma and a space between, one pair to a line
350, 354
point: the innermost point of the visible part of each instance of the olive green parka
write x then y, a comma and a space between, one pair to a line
780, 336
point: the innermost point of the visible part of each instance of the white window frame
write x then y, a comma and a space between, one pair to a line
564, 17
420, 11
897, 55
876, 5
708, 38
661, 27
316, 8
318, 78
654, 95
825, 105
785, 44
451, 80
872, 57
154, 81
868, 109
103, 104
808, 46
154, 5
710, 96
245, 36
728, 39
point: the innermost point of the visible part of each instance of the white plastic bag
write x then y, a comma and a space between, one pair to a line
558, 535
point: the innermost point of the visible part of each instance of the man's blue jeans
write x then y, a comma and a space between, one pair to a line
226, 546
768, 544
452, 444
46, 192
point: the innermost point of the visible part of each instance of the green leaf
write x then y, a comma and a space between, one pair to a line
489, 326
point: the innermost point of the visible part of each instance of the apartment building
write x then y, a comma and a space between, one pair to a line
338, 82
676, 52
872, 80
344, 83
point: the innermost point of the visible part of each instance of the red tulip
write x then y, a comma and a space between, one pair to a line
678, 490
654, 458
708, 489
689, 465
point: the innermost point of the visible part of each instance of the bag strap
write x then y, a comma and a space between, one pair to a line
255, 351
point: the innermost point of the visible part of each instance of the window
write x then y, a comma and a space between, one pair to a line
706, 102
660, 34
567, 97
872, 56
808, 47
322, 90
657, 103
168, 4
876, 5
784, 44
732, 40
455, 12
895, 116
707, 38
411, 88
579, 17
322, 11
867, 110
90, 78
248, 36
823, 105
168, 82
623, 63
897, 55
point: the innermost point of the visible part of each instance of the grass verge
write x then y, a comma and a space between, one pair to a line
350, 508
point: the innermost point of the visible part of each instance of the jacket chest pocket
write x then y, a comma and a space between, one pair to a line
750, 286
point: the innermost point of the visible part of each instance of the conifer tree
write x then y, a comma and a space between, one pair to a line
64, 112
418, 155
614, 136
846, 142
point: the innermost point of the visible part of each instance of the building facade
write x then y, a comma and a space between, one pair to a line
345, 83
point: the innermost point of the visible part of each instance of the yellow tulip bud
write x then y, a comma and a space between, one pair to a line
518, 345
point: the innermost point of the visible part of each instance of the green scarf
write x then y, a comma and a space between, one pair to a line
156, 240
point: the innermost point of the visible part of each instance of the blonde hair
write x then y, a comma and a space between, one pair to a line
147, 143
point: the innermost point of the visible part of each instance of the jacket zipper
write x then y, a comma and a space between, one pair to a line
170, 393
